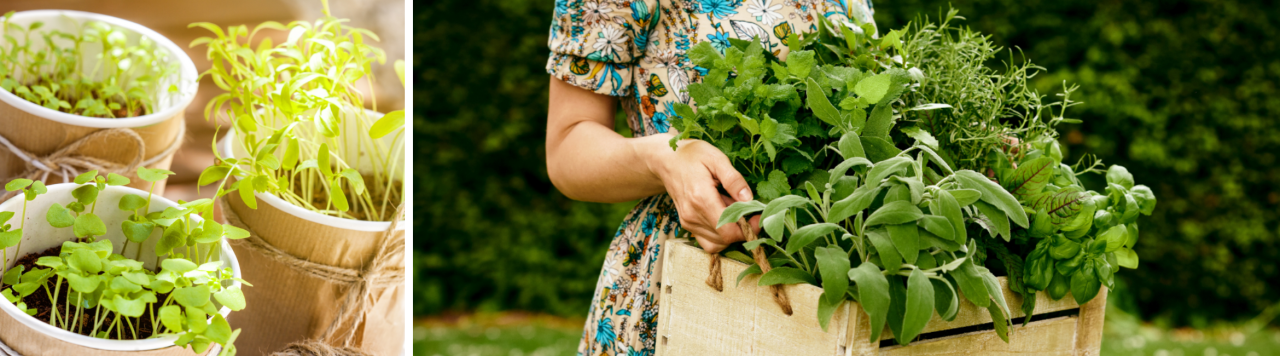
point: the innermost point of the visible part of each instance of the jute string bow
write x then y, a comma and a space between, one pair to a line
360, 282
716, 280
69, 163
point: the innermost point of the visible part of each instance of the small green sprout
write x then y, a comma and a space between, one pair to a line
10, 237
117, 293
310, 81
124, 81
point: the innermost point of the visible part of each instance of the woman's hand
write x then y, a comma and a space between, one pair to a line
692, 175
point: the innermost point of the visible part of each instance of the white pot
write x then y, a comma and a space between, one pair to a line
42, 131
39, 236
277, 314
67, 21
229, 147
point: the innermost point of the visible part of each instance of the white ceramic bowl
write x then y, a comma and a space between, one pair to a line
66, 21
38, 236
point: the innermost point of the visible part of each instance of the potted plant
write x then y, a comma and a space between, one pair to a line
95, 267
315, 176
84, 91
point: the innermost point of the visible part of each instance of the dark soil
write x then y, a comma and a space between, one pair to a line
120, 113
40, 301
320, 199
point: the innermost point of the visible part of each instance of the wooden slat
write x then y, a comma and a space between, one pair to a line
970, 314
741, 320
1046, 337
1089, 334
697, 320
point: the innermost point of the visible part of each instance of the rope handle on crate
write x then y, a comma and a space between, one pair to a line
715, 279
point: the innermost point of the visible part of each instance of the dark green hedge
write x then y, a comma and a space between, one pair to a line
1183, 93
491, 232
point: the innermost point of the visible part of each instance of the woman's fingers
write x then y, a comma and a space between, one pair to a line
728, 177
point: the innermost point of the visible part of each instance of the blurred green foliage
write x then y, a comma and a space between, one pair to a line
1183, 93
490, 231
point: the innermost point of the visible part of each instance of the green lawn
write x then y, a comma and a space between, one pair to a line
516, 334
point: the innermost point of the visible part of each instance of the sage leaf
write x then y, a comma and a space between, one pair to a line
994, 220
821, 106
833, 266
853, 204
919, 307
878, 149
848, 163
753, 269
945, 299
906, 238
993, 194
965, 197
737, 210
885, 168
999, 321
889, 255
786, 275
945, 204
827, 308
938, 225
971, 284
806, 235
873, 295
851, 146
898, 212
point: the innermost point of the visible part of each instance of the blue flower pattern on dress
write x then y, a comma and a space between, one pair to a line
637, 50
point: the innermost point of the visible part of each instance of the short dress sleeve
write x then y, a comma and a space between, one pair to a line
596, 44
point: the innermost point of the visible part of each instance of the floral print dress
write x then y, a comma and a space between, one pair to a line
635, 49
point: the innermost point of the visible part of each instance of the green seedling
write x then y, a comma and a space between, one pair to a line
117, 293
288, 102
10, 237
124, 80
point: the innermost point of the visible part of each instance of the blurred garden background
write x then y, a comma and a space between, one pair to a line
1183, 93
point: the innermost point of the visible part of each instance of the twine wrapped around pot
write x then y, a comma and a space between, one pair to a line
316, 348
360, 282
715, 279
68, 163
6, 351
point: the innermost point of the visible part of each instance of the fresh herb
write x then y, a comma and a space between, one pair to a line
114, 291
854, 191
289, 103
54, 69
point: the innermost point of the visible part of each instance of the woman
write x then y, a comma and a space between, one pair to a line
606, 52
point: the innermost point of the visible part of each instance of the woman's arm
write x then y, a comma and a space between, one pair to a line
588, 161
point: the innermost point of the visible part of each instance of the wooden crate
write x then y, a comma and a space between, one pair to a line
697, 320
